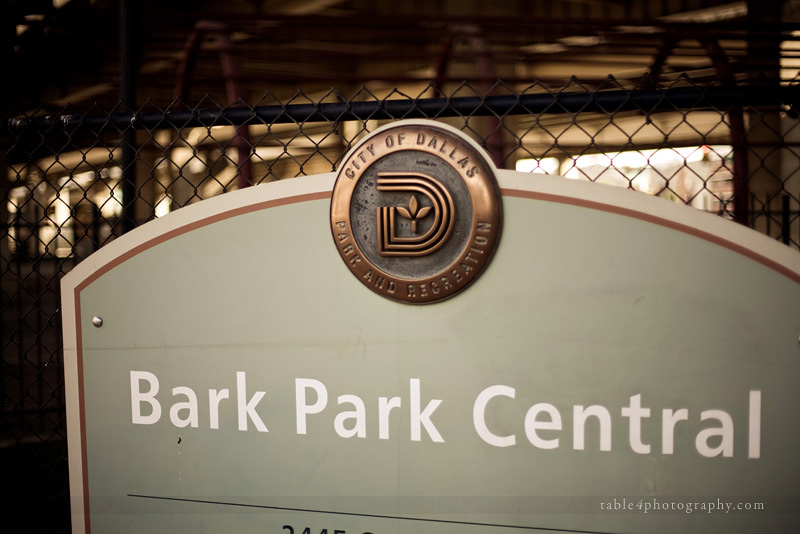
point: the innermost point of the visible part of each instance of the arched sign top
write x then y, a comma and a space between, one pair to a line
225, 369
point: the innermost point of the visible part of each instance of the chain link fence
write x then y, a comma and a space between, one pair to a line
75, 180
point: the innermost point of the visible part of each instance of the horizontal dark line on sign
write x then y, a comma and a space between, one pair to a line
375, 516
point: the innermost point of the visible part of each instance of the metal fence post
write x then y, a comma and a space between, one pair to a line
128, 97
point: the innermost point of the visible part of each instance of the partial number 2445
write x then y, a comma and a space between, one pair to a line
290, 530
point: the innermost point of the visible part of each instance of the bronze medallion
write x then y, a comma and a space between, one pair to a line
416, 211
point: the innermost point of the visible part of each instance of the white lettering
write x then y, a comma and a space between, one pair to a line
247, 409
137, 398
422, 418
635, 412
479, 416
725, 432
359, 415
385, 406
543, 422
190, 405
580, 415
532, 424
754, 427
302, 407
668, 422
214, 398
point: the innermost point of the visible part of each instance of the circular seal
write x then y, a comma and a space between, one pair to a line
416, 212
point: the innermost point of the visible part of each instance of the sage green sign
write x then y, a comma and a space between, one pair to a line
623, 365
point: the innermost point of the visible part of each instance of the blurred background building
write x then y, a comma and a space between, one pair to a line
71, 51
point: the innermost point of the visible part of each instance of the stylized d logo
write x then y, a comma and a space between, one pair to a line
391, 242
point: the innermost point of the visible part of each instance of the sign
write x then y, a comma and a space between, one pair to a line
623, 364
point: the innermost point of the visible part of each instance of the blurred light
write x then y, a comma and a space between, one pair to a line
540, 166
581, 40
543, 48
163, 207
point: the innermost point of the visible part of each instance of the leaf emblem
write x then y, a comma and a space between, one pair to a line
412, 207
413, 212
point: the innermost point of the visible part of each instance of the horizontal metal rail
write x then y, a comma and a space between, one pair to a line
561, 102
